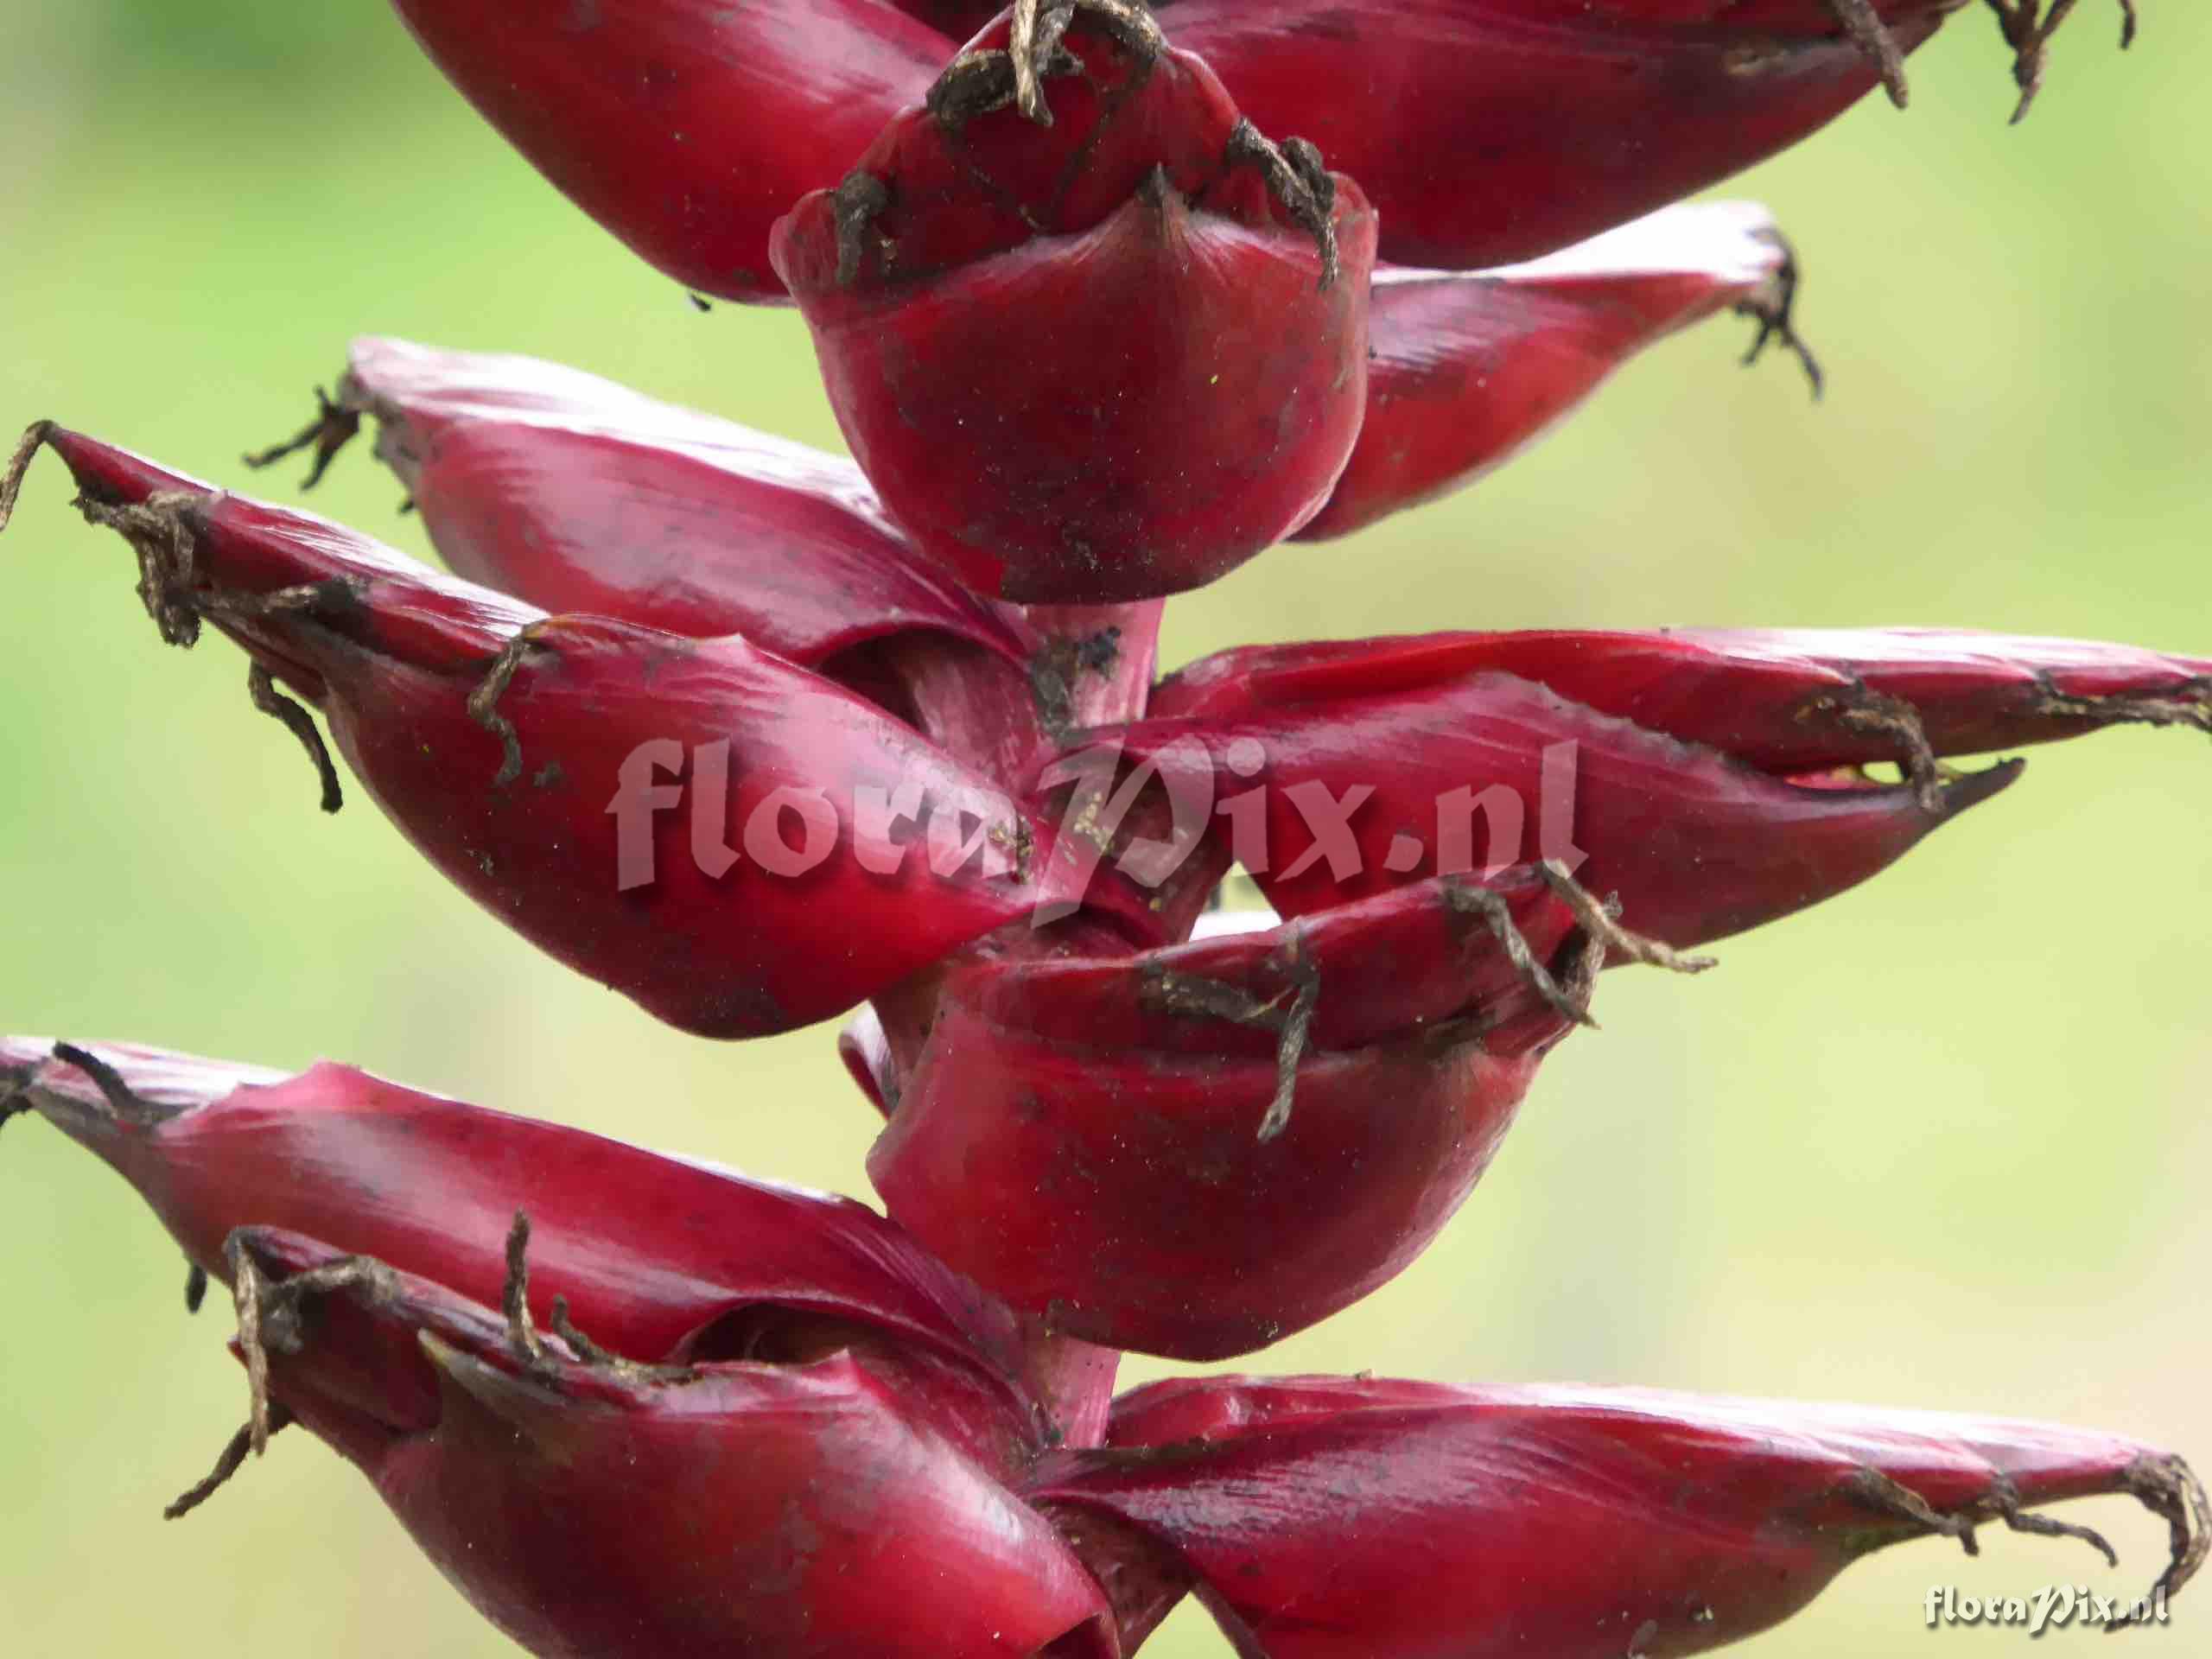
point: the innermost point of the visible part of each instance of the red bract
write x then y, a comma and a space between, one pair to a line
688, 128
579, 495
1783, 700
1490, 130
589, 1506
1198, 1150
1331, 1518
684, 126
528, 757
1709, 778
1469, 367
659, 1257
1098, 362
791, 734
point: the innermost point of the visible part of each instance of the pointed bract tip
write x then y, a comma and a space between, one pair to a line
1971, 789
514, 1399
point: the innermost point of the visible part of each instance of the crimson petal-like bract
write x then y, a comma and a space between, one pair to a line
1098, 362
1783, 700
659, 1257
686, 127
1711, 777
1396, 768
596, 1509
1358, 1518
1487, 132
1469, 367
577, 494
1199, 1149
529, 757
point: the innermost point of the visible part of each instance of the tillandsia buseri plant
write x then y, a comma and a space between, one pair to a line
1107, 301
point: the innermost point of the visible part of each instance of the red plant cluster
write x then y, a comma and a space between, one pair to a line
760, 737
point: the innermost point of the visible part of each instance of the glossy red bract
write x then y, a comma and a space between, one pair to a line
759, 736
1101, 363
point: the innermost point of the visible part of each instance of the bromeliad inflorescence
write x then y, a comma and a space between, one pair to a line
1108, 301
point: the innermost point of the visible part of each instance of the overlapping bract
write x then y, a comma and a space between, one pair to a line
1096, 362
659, 1258
759, 736
1735, 755
682, 1411
688, 128
1069, 1090
527, 756
1197, 1150
1329, 1517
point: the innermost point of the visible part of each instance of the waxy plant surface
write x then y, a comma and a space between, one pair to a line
1107, 301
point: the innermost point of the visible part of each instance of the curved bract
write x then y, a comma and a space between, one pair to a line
1487, 132
1335, 1517
577, 494
799, 1511
1470, 368
679, 818
658, 1257
759, 736
685, 127
1195, 1151
1095, 362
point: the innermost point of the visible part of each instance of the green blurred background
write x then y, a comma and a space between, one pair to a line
1940, 1144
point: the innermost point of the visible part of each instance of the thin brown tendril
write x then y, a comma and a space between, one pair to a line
1875, 714
484, 702
2027, 28
261, 686
1299, 180
1597, 918
514, 1297
1289, 1014
1877, 1491
269, 1315
1035, 33
333, 427
121, 1099
1873, 38
1775, 312
1468, 898
228, 1464
12, 481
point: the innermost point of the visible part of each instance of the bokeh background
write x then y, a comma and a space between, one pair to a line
1942, 1143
